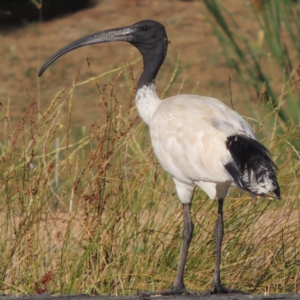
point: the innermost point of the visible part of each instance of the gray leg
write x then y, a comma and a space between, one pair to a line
188, 228
217, 287
178, 285
219, 233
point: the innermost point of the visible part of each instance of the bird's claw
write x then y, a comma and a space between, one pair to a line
220, 289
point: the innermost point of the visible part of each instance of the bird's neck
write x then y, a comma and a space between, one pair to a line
146, 98
149, 74
153, 58
147, 101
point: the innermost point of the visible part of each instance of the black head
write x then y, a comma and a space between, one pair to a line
148, 36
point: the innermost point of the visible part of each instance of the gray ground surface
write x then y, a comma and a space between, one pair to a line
206, 297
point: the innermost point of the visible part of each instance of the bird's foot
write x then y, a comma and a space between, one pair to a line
174, 290
220, 289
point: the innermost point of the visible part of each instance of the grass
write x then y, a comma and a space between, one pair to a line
264, 62
93, 212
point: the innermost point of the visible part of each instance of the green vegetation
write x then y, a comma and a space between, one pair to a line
276, 51
99, 215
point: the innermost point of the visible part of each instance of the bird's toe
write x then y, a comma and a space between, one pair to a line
220, 289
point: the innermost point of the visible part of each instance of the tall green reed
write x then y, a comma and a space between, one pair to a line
261, 64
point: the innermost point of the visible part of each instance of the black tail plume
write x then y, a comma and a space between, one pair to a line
252, 169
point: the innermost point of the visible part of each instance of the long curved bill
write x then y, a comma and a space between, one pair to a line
110, 35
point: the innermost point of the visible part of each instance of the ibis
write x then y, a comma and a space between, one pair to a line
198, 140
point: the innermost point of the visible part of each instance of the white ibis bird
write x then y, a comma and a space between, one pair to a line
198, 140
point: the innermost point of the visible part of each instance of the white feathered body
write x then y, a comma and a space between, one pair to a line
188, 134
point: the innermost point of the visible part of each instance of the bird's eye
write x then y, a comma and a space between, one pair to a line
145, 28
